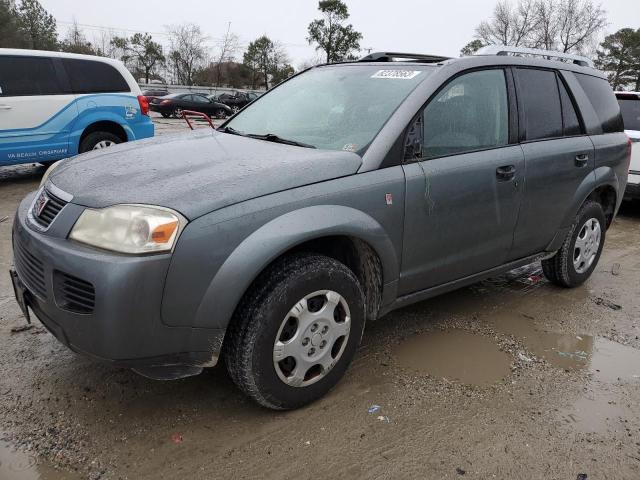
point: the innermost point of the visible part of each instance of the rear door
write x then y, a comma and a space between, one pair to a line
463, 180
558, 157
36, 110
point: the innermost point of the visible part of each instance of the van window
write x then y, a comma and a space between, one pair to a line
22, 76
569, 116
630, 113
604, 102
538, 91
87, 76
470, 113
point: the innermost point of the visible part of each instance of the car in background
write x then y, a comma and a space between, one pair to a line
630, 107
155, 93
237, 100
173, 105
55, 105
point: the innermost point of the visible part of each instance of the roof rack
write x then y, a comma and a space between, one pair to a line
407, 57
505, 50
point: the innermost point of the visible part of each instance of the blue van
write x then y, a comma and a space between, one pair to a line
55, 105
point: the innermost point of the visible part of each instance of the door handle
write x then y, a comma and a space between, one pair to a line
5, 107
582, 159
506, 173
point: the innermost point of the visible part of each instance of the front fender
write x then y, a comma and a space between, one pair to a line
278, 236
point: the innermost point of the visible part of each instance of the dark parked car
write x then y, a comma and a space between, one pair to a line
174, 104
346, 192
151, 94
237, 100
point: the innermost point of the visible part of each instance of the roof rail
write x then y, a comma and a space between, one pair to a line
505, 50
408, 57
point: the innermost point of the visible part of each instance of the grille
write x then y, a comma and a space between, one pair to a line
46, 208
73, 294
30, 269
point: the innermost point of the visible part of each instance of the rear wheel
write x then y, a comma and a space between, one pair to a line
165, 114
220, 113
99, 140
577, 258
296, 331
177, 112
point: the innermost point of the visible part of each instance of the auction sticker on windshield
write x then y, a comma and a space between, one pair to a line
396, 74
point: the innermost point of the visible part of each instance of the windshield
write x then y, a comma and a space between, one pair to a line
630, 113
336, 108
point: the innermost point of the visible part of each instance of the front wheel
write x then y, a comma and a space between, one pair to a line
577, 258
220, 113
296, 331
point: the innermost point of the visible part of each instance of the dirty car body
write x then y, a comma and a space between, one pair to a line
403, 197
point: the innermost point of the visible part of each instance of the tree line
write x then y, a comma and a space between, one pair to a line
572, 26
188, 60
569, 26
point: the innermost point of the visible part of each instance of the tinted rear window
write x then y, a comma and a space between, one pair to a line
630, 113
21, 76
604, 102
538, 91
89, 76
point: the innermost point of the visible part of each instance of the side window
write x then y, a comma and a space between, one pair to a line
88, 76
604, 102
200, 99
570, 120
539, 98
470, 113
23, 76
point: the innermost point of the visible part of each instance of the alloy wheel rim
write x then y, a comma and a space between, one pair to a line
103, 144
587, 245
312, 338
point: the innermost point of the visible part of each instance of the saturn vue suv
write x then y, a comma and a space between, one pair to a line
347, 191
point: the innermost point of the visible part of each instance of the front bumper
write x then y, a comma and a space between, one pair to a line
123, 324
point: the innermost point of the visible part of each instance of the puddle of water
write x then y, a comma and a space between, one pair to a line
15, 465
564, 350
456, 355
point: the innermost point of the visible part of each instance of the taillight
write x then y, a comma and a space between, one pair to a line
144, 104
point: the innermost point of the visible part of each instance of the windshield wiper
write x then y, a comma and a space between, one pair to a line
232, 131
272, 137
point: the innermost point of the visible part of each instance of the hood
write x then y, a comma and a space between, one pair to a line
197, 173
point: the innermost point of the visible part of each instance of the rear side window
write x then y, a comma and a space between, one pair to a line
630, 113
539, 98
87, 76
23, 76
570, 120
470, 113
604, 102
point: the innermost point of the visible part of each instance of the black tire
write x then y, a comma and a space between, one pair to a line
220, 113
249, 346
90, 141
560, 268
177, 112
165, 114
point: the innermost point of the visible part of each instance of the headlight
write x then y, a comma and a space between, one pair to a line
129, 228
45, 177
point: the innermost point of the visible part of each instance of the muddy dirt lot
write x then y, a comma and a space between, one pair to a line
509, 379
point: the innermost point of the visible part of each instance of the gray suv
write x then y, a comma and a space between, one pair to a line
346, 192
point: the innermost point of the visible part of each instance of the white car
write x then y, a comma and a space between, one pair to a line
630, 107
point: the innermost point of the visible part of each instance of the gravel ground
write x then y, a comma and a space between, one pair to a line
511, 378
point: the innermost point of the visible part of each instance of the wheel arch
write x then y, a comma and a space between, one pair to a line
104, 126
343, 233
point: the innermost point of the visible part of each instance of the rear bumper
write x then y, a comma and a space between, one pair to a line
144, 129
124, 325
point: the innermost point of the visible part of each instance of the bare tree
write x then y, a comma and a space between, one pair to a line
509, 25
580, 21
188, 51
228, 47
565, 25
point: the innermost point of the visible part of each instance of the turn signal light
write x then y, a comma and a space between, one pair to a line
162, 233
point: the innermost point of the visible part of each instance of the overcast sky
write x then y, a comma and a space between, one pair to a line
413, 26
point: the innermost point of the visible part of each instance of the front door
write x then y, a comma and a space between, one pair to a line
463, 184
36, 111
